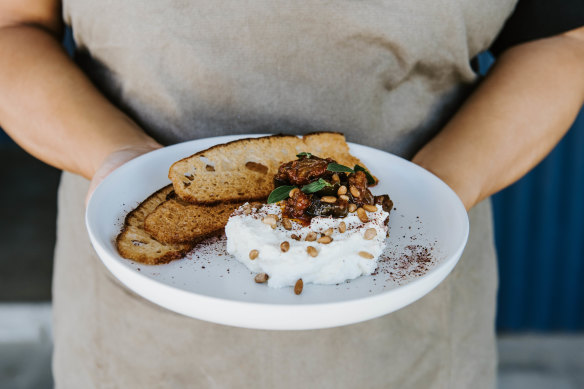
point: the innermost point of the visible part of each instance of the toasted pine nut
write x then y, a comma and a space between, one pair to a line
328, 199
285, 246
312, 251
253, 254
365, 255
328, 232
291, 194
270, 220
335, 178
260, 278
362, 215
295, 237
369, 233
298, 286
287, 224
352, 207
354, 191
342, 190
324, 239
310, 237
344, 197
369, 208
342, 227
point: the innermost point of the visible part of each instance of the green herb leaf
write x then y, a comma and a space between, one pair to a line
280, 193
304, 154
337, 167
370, 179
315, 186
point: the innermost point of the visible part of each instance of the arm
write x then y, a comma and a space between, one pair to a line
512, 121
48, 106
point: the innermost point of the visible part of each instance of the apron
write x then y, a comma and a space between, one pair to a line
388, 74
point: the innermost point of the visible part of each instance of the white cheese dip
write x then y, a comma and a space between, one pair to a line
350, 254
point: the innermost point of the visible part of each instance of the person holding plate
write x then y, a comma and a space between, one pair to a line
391, 74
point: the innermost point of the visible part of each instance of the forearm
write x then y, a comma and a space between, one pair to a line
515, 117
52, 110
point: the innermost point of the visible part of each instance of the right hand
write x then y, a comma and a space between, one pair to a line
115, 160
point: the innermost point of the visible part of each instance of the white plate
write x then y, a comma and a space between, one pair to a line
210, 285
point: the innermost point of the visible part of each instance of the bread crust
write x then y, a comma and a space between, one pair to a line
244, 169
134, 243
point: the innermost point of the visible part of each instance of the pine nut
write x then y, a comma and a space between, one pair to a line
369, 208
344, 197
329, 232
328, 199
285, 246
291, 193
370, 233
298, 287
365, 254
253, 254
342, 190
354, 191
270, 220
324, 239
352, 207
335, 178
287, 224
342, 227
311, 236
295, 237
260, 278
362, 215
312, 251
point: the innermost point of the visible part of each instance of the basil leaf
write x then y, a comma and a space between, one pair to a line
280, 193
336, 167
370, 179
304, 154
315, 186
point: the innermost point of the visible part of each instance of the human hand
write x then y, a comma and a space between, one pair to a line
115, 160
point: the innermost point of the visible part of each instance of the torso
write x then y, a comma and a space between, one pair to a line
386, 73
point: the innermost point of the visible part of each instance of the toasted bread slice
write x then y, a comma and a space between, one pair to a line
176, 221
136, 244
244, 169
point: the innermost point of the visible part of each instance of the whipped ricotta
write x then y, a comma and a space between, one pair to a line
350, 254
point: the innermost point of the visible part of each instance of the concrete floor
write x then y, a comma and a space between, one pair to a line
541, 361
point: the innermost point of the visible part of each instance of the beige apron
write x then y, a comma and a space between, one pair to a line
386, 73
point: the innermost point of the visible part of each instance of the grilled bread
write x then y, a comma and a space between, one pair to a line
176, 221
136, 244
243, 170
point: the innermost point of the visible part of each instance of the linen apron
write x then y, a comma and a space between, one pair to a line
388, 74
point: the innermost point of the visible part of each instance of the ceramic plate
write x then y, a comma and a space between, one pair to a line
428, 229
